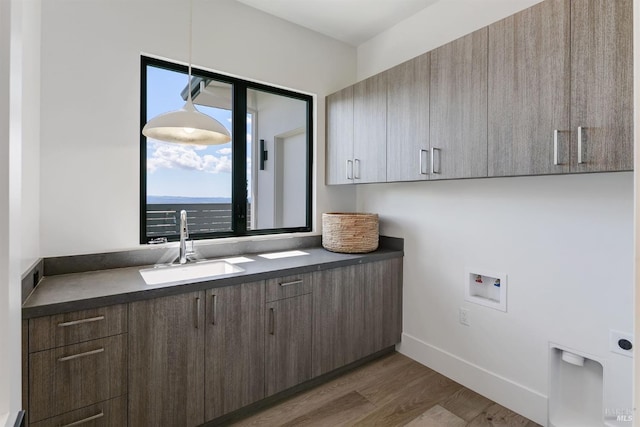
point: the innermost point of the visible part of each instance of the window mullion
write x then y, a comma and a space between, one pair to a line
239, 153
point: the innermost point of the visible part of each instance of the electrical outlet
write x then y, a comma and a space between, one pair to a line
464, 316
621, 343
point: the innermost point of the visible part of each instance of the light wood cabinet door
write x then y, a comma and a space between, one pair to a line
529, 91
370, 130
602, 85
234, 360
458, 107
166, 361
408, 120
288, 343
339, 157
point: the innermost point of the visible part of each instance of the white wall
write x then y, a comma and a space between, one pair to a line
6, 386
16, 23
435, 25
90, 101
30, 211
565, 242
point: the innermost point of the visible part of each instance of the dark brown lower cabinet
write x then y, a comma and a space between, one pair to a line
166, 361
191, 358
288, 343
234, 351
357, 310
111, 413
66, 378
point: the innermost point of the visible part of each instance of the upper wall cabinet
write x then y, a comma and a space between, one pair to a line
357, 133
529, 91
408, 120
370, 130
340, 137
548, 90
560, 89
459, 108
601, 85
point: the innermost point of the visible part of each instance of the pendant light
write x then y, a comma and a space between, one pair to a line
187, 125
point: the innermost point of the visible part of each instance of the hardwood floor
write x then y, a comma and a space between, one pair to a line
391, 391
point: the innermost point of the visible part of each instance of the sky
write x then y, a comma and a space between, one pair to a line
181, 169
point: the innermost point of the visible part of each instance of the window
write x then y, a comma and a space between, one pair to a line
259, 183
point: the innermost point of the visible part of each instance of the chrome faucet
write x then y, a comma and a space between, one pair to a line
184, 235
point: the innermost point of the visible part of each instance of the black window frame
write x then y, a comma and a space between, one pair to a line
239, 151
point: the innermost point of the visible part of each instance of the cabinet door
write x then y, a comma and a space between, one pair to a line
234, 352
338, 318
408, 120
340, 137
458, 98
602, 85
382, 304
357, 310
529, 91
166, 361
370, 130
288, 343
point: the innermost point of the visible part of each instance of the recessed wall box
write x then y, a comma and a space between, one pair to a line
486, 288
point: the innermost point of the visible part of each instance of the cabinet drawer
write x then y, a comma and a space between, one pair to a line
75, 376
78, 326
287, 287
112, 413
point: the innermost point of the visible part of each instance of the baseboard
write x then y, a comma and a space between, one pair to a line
518, 398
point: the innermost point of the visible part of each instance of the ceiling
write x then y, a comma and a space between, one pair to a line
351, 21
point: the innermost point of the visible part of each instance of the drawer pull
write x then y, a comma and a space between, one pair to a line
76, 356
295, 282
214, 308
81, 321
272, 321
85, 420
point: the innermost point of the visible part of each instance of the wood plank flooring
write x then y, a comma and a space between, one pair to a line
391, 391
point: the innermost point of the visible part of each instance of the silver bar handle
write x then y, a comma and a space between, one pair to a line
84, 420
78, 322
356, 174
214, 308
433, 160
349, 169
422, 151
79, 355
295, 282
580, 145
197, 321
555, 147
272, 321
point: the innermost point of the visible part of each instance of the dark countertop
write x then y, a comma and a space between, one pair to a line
80, 291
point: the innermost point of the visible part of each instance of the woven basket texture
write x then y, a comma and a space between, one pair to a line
350, 232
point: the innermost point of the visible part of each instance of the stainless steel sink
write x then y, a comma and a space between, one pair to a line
178, 272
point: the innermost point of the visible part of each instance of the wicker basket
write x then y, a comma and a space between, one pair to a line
353, 233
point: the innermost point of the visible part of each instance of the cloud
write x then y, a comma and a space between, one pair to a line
181, 156
225, 151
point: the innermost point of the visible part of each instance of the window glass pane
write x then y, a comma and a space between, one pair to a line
277, 160
183, 176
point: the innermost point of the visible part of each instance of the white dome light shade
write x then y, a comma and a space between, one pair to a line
187, 126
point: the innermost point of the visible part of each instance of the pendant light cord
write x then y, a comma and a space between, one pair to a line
190, 48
